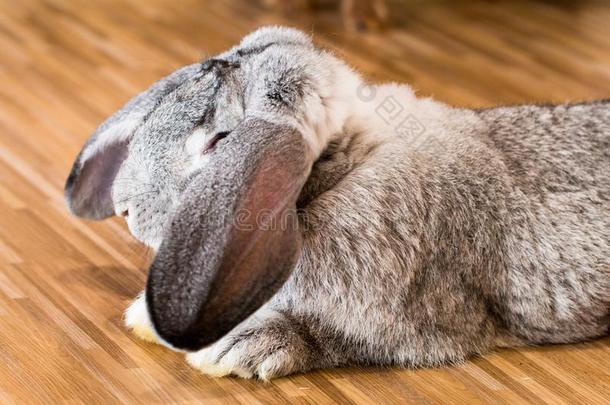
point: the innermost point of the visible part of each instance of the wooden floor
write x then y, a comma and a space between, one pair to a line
64, 283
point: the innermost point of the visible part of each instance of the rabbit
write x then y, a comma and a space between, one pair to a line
303, 218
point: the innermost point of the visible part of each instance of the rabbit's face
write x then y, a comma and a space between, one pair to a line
174, 140
283, 79
205, 163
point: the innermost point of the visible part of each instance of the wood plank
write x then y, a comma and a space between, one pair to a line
64, 283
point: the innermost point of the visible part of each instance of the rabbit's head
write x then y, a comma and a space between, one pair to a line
206, 167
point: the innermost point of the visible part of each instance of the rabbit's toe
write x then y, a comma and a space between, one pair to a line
211, 361
138, 320
267, 351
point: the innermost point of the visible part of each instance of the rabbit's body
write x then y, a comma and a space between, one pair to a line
490, 231
426, 233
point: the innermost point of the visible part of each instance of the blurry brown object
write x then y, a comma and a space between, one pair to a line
356, 15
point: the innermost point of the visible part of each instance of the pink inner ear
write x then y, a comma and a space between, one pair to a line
89, 188
264, 241
234, 238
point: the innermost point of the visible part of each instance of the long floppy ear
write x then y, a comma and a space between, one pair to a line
233, 240
88, 187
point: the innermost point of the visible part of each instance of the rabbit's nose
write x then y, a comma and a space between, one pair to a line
125, 213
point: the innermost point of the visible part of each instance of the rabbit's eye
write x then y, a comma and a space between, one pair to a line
210, 145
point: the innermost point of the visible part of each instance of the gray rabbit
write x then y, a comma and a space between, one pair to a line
303, 218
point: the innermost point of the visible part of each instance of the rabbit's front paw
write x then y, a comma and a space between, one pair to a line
138, 320
265, 351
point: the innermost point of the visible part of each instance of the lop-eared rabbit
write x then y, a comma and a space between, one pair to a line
303, 218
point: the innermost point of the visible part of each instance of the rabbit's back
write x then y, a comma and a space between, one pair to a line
553, 149
490, 231
555, 283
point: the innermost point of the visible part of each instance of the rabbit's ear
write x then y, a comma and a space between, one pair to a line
234, 237
88, 187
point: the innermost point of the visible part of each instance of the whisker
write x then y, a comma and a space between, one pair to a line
138, 188
145, 253
133, 196
122, 179
130, 179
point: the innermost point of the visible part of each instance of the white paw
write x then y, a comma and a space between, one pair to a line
265, 352
215, 362
138, 321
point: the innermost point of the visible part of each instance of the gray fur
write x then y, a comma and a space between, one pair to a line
88, 187
195, 283
493, 229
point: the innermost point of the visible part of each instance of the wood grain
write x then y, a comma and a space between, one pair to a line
64, 283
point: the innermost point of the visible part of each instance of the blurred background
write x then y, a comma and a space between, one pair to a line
65, 65
465, 52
